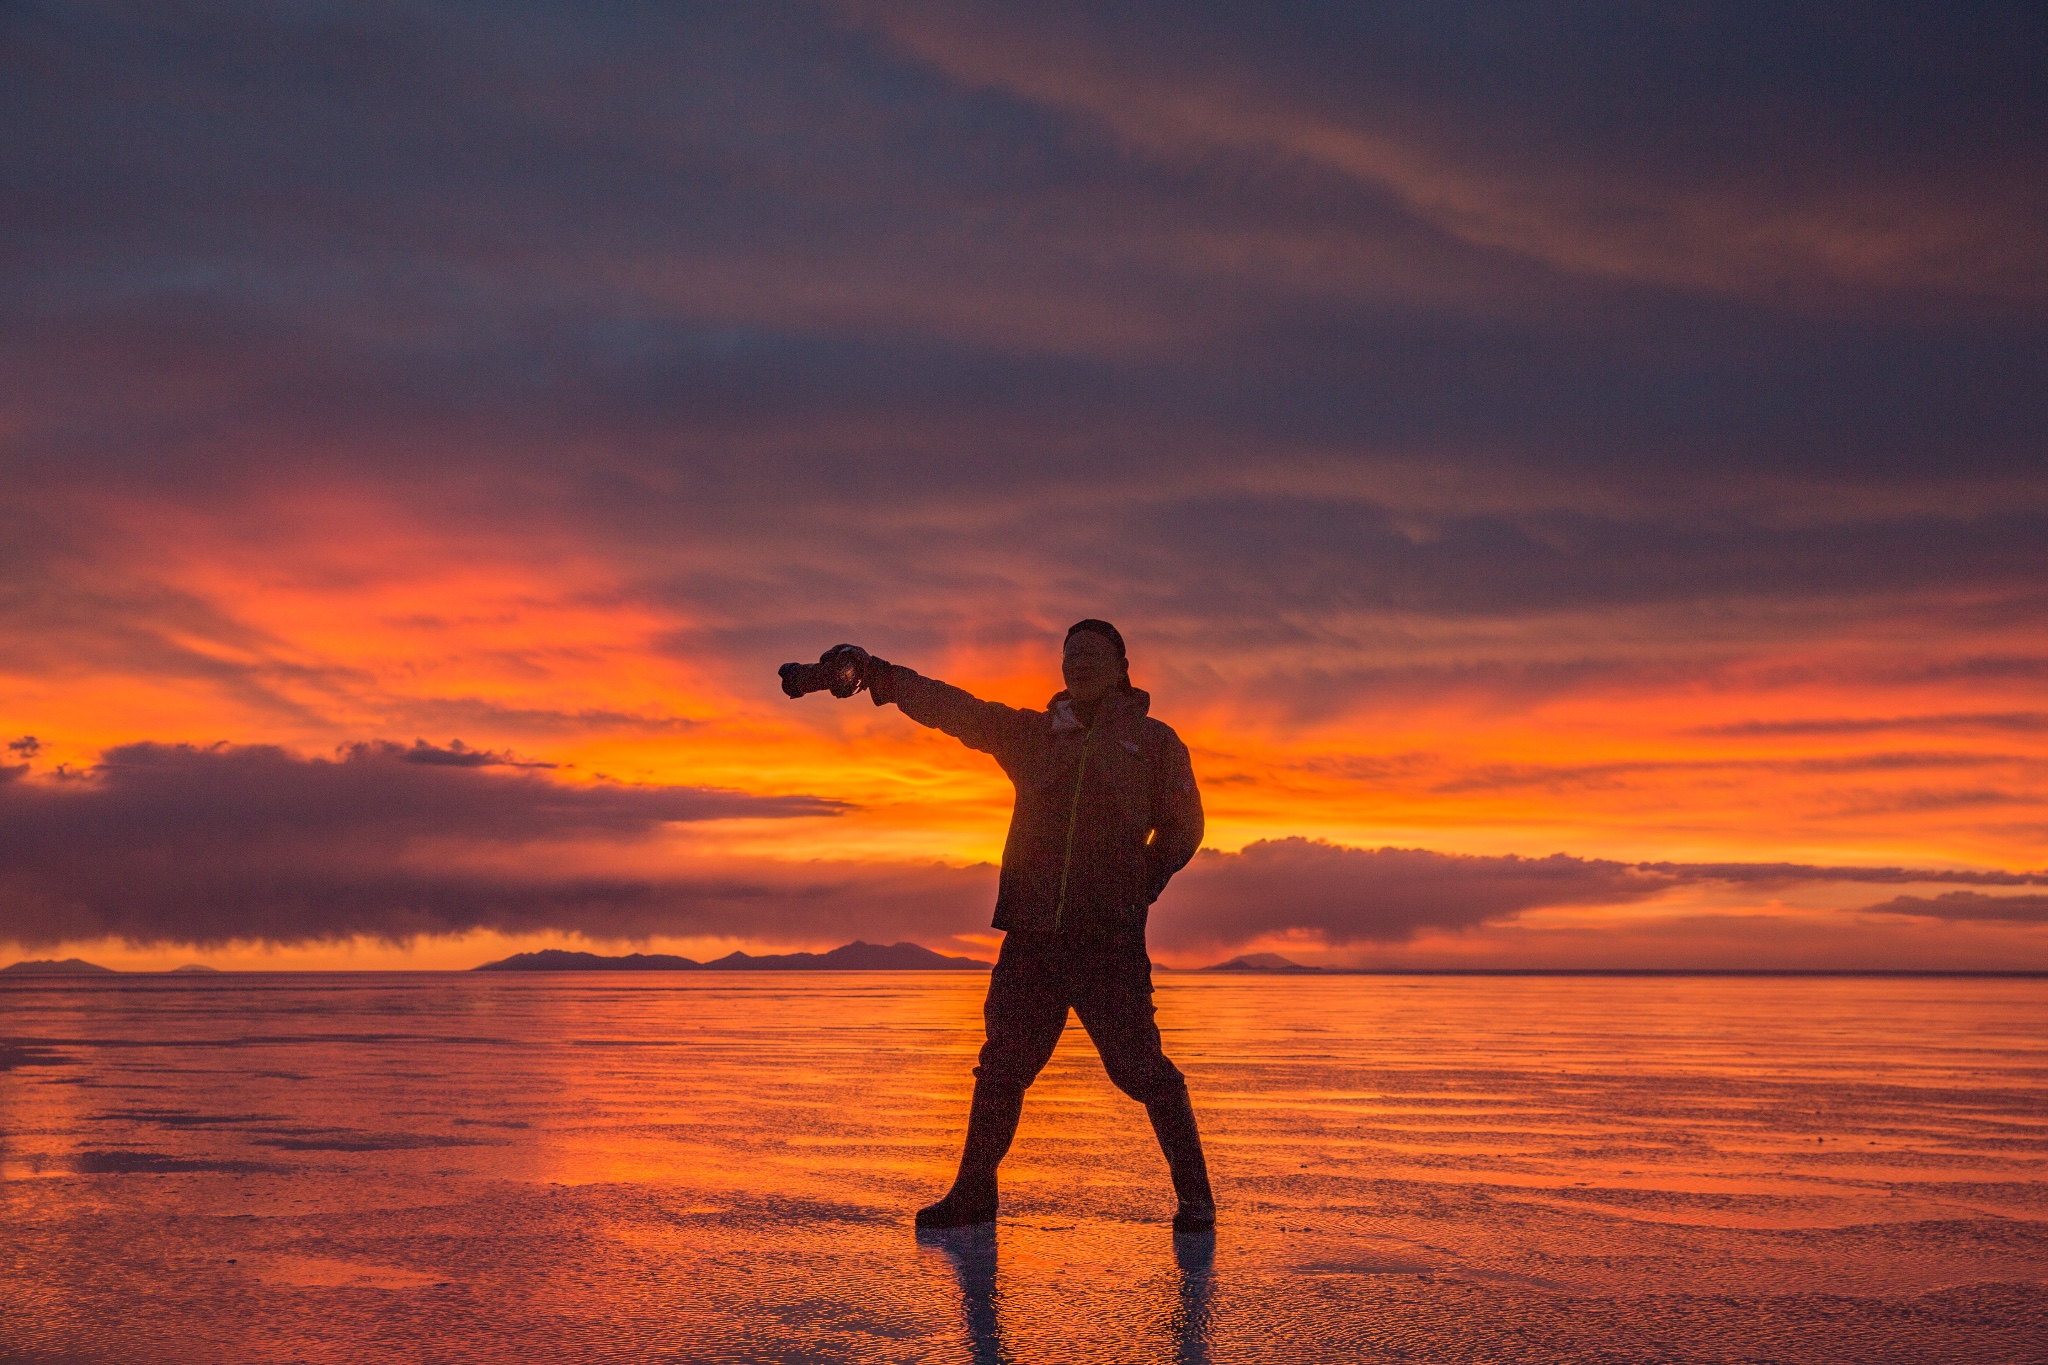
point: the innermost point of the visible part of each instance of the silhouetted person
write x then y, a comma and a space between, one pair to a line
1106, 813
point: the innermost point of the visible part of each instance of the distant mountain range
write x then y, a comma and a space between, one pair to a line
851, 957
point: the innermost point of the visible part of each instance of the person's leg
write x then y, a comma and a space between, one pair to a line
1025, 1013
1173, 1123
1114, 999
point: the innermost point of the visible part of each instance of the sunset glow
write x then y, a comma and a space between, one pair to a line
1466, 478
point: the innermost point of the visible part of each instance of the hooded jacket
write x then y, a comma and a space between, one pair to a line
1104, 815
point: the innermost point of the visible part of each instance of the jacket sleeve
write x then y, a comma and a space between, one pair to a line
1176, 818
989, 726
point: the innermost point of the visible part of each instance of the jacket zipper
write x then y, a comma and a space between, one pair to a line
1073, 815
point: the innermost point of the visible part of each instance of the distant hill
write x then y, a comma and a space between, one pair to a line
1260, 962
195, 969
851, 957
560, 960
70, 966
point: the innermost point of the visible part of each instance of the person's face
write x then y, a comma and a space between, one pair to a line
1090, 666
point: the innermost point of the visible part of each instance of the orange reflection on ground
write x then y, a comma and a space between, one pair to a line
725, 1167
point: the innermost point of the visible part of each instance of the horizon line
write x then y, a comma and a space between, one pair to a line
1300, 971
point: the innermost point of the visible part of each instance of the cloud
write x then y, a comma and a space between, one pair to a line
1549, 391
454, 754
802, 232
2015, 722
1794, 874
1469, 133
210, 903
1232, 324
536, 720
1385, 895
163, 844
177, 843
1342, 896
1557, 776
1968, 905
370, 792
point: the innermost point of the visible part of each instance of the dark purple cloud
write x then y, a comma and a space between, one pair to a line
180, 843
454, 754
215, 901
374, 793
887, 250
1385, 895
1345, 896
1969, 905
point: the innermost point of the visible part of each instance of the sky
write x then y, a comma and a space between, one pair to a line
1574, 475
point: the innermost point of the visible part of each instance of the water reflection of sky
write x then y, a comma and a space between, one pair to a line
682, 1167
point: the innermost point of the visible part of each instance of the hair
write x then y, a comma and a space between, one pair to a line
1105, 630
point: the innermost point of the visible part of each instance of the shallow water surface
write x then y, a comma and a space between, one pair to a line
428, 1167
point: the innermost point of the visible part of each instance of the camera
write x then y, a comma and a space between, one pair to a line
841, 670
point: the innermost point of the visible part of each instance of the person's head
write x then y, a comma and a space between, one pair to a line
1093, 661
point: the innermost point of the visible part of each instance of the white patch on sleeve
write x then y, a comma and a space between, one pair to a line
1132, 746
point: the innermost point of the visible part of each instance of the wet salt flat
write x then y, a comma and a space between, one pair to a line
683, 1167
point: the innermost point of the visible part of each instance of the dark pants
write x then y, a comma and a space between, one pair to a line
1108, 982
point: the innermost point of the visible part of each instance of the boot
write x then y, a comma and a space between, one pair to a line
991, 1123
1173, 1119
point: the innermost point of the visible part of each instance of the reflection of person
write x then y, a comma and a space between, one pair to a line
972, 1255
971, 1252
1106, 812
1196, 1258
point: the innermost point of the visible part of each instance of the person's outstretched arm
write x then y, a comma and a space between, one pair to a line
1177, 819
988, 726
